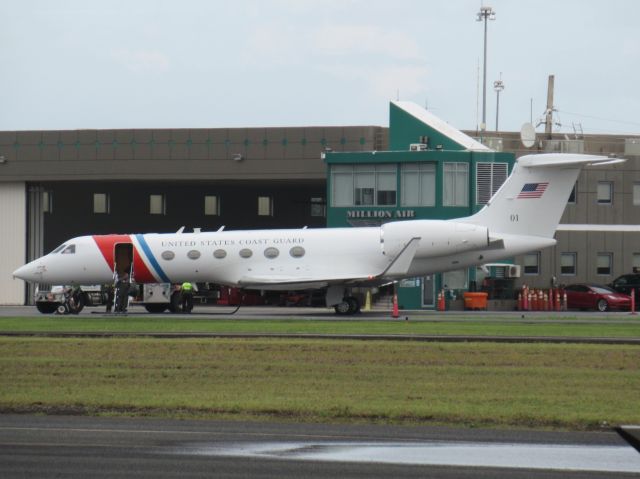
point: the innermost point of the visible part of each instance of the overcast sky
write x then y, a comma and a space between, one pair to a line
70, 64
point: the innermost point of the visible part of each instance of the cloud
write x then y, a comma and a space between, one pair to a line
383, 81
364, 39
141, 61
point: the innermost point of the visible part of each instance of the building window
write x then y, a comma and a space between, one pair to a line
47, 202
531, 263
635, 263
605, 192
568, 264
456, 184
636, 194
363, 185
489, 178
342, 185
418, 181
603, 263
318, 207
211, 205
101, 203
456, 279
265, 206
157, 205
572, 196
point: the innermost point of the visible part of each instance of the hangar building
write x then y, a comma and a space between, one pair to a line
58, 184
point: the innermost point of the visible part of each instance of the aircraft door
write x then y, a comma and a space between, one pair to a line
123, 259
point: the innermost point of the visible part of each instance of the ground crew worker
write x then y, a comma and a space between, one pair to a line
122, 291
110, 296
187, 296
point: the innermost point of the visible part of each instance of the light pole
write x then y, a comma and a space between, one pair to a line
486, 13
498, 86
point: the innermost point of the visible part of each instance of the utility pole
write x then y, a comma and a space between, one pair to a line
486, 13
548, 117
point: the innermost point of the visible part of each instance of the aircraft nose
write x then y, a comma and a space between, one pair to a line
29, 272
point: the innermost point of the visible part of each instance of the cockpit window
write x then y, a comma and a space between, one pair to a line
71, 249
58, 249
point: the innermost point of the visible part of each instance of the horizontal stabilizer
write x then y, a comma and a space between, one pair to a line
553, 160
612, 228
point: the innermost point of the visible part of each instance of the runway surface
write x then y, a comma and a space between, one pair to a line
60, 446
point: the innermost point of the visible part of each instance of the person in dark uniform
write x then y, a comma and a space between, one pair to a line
122, 291
109, 294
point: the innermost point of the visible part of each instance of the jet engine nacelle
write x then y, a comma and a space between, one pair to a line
437, 237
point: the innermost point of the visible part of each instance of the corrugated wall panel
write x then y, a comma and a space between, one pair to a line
13, 233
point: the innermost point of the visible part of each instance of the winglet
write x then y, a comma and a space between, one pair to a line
401, 263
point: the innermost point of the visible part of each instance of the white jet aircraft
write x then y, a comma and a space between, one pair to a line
522, 216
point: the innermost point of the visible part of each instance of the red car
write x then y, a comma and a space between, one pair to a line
595, 296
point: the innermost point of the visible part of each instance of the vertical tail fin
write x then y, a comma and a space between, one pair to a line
534, 196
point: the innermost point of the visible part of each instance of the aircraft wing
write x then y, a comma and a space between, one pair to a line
618, 228
307, 282
397, 267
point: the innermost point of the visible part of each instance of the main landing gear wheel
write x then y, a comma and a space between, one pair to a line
349, 305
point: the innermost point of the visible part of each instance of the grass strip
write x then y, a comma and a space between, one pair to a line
474, 384
133, 324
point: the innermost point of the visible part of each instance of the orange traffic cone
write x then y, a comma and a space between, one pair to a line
395, 313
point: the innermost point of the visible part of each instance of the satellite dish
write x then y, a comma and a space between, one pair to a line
528, 135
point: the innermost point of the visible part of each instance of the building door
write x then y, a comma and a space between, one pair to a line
428, 291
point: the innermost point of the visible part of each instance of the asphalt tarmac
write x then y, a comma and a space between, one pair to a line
61, 446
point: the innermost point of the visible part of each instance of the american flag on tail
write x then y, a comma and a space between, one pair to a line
533, 190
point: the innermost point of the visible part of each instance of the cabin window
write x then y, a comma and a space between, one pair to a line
168, 255
71, 249
245, 253
271, 253
219, 253
418, 184
568, 264
101, 203
456, 184
297, 252
604, 262
193, 254
211, 205
605, 192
